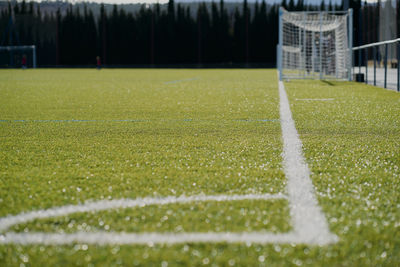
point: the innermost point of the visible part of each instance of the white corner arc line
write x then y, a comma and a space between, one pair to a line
308, 218
101, 205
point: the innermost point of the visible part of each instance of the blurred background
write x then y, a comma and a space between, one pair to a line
168, 33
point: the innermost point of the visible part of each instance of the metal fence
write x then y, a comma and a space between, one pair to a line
378, 64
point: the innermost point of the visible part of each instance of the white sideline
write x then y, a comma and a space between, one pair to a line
308, 219
309, 223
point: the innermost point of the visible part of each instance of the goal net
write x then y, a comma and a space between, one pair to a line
315, 45
13, 56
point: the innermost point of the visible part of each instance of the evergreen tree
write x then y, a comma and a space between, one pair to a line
102, 38
300, 5
322, 6
203, 30
246, 19
291, 6
58, 30
259, 34
238, 37
156, 35
330, 6
224, 35
284, 4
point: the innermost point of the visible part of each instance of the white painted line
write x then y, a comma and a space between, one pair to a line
315, 99
7, 222
122, 238
307, 216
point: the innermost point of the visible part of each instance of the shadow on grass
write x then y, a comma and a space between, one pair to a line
328, 83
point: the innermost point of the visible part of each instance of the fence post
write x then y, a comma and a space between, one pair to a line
374, 52
350, 32
34, 56
398, 66
386, 56
366, 65
12, 58
320, 46
304, 48
280, 52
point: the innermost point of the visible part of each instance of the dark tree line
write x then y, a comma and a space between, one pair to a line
155, 34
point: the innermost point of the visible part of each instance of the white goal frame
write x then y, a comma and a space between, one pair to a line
315, 45
19, 48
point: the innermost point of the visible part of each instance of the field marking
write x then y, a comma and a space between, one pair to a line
138, 120
106, 238
150, 238
258, 120
309, 223
308, 218
315, 99
182, 80
7, 222
73, 120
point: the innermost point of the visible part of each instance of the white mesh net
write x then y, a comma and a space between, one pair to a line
314, 45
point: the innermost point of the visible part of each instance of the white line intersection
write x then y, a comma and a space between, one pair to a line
309, 222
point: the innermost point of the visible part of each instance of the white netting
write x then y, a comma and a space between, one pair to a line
314, 45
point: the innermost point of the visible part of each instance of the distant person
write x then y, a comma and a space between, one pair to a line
23, 62
98, 63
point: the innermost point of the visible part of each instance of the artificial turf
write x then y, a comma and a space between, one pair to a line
67, 136
352, 144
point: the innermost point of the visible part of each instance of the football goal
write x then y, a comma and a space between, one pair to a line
13, 56
315, 45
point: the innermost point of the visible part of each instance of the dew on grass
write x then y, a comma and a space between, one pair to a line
196, 253
297, 262
115, 250
24, 258
88, 258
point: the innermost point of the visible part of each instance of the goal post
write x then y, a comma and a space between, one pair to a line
315, 45
11, 56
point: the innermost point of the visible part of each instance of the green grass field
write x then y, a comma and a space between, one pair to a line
71, 136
